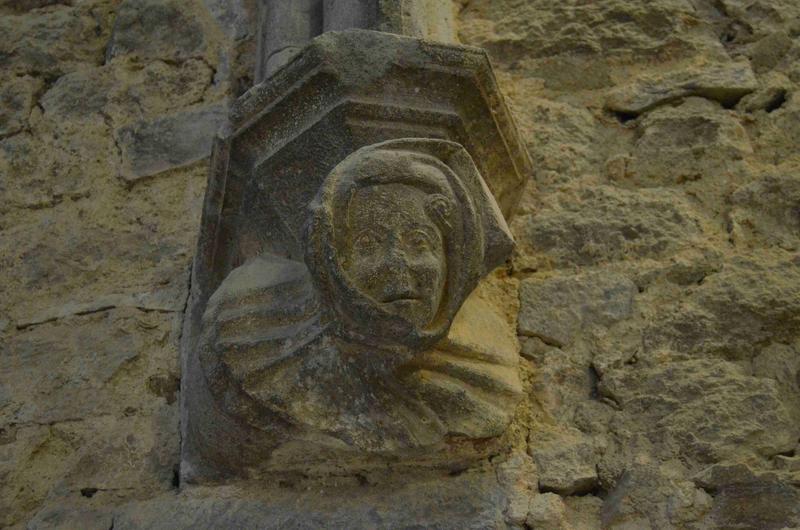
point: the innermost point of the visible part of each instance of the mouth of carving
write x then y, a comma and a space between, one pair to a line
400, 297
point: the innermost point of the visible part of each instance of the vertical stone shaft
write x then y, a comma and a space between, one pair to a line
284, 28
286, 25
346, 14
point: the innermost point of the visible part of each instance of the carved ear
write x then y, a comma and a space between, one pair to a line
439, 209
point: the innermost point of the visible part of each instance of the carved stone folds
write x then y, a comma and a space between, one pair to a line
356, 199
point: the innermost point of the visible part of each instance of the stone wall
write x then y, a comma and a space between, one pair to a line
657, 266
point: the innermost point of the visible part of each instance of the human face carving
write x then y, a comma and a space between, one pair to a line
395, 252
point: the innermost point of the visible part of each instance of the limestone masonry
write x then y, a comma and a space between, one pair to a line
525, 264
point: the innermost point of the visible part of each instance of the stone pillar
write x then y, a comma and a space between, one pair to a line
347, 14
286, 26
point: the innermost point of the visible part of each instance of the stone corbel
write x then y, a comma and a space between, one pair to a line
356, 199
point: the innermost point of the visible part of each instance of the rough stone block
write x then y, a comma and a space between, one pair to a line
518, 33
99, 358
689, 143
70, 266
471, 501
602, 224
65, 466
765, 212
776, 135
747, 499
648, 495
725, 83
547, 511
768, 52
173, 141
701, 409
557, 309
54, 41
233, 16
17, 97
561, 382
566, 462
517, 477
562, 138
734, 313
153, 29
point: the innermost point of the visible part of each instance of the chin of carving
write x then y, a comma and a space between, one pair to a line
373, 343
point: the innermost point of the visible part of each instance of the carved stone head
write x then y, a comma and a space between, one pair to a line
398, 236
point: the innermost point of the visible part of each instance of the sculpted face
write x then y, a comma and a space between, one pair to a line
395, 251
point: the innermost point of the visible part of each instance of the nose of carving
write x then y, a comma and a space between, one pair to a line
397, 276
395, 256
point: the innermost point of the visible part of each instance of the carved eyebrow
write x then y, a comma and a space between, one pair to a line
369, 230
427, 230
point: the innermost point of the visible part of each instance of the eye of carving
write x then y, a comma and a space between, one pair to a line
366, 241
420, 240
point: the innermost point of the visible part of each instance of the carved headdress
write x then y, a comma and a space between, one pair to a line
476, 237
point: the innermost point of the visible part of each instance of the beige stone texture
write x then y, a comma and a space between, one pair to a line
664, 135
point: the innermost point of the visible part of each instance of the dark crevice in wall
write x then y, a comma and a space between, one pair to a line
89, 492
594, 490
624, 117
176, 476
594, 378
776, 102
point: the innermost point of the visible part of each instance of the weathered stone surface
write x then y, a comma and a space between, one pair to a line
68, 517
774, 135
769, 97
561, 138
122, 95
17, 97
733, 314
169, 142
566, 462
781, 363
471, 501
76, 413
516, 32
768, 52
21, 6
235, 17
561, 379
54, 41
547, 511
106, 458
767, 212
517, 477
604, 224
746, 22
745, 499
651, 497
584, 512
151, 29
725, 83
703, 410
558, 309
39, 267
696, 140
